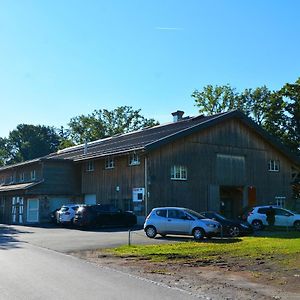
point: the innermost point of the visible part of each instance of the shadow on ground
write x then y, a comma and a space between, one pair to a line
9, 237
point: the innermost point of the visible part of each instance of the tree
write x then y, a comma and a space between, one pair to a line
29, 141
4, 151
291, 94
105, 123
216, 99
256, 103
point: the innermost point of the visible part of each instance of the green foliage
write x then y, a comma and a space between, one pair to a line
105, 123
278, 111
29, 141
216, 99
284, 243
4, 151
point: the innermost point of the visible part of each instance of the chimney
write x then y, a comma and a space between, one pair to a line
177, 115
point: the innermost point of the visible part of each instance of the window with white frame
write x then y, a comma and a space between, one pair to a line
178, 172
33, 175
280, 201
89, 167
109, 163
273, 165
134, 159
22, 177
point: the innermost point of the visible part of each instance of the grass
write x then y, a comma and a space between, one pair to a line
285, 245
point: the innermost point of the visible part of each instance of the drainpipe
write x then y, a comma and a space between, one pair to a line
146, 186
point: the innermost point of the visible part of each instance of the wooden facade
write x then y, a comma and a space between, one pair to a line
223, 163
227, 160
28, 200
227, 170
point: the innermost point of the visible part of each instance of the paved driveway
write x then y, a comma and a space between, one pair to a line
69, 239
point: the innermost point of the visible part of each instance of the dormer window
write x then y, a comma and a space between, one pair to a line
109, 163
32, 175
89, 166
134, 159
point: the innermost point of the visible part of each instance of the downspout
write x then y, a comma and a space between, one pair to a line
146, 186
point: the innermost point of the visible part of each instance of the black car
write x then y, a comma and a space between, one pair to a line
53, 216
230, 227
101, 214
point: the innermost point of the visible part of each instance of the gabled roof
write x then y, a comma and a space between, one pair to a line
151, 138
157, 136
134, 141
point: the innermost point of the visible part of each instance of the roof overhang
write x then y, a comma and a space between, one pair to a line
19, 186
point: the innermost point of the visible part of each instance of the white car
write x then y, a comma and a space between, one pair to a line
182, 221
283, 217
66, 213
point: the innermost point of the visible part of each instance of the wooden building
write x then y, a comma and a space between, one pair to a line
29, 191
223, 162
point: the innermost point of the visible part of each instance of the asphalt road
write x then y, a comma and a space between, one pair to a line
69, 239
32, 268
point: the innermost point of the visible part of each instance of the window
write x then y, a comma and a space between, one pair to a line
89, 167
162, 213
32, 175
273, 165
280, 201
175, 214
11, 179
22, 177
134, 159
109, 163
178, 172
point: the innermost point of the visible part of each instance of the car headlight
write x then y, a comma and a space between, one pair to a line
211, 225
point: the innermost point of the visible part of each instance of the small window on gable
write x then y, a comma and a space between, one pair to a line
22, 177
178, 172
109, 163
273, 165
32, 175
134, 159
89, 167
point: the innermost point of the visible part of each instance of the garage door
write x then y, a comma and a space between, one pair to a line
90, 199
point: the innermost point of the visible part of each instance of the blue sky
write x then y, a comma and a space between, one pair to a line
60, 59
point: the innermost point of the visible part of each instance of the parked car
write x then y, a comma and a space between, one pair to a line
182, 221
283, 217
102, 214
66, 214
230, 227
53, 216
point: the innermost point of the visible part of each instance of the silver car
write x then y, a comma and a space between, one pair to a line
178, 220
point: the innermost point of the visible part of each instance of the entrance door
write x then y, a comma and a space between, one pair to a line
17, 210
231, 201
32, 210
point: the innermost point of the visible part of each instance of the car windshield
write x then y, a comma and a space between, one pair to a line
194, 214
219, 216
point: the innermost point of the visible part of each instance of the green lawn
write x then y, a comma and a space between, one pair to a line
285, 245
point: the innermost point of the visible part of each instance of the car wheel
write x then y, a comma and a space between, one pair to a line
297, 225
198, 234
257, 225
234, 231
150, 232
